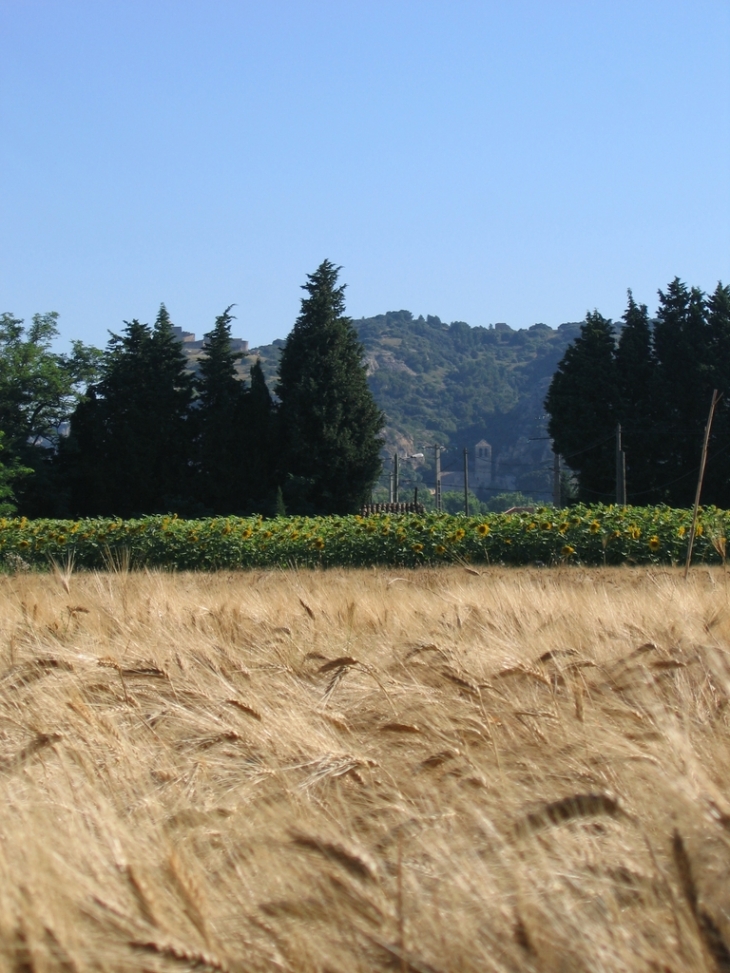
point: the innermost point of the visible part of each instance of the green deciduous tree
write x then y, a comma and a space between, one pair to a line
39, 389
10, 473
329, 422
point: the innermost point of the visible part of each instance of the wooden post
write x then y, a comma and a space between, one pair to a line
466, 481
693, 529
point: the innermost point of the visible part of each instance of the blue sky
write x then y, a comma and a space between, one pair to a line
483, 161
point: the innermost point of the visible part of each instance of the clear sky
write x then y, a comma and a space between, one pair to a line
501, 160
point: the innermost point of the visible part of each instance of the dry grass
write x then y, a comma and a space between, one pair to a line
430, 771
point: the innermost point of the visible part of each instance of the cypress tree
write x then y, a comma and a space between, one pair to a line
171, 439
636, 407
685, 375
129, 449
717, 477
582, 402
218, 420
260, 443
330, 424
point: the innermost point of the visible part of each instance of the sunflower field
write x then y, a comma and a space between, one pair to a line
594, 535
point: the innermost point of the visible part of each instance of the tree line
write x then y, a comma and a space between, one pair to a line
148, 436
654, 376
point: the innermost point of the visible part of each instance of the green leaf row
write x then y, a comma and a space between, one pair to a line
590, 535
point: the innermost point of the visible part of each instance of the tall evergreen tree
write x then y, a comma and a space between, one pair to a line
683, 350
218, 423
582, 401
636, 402
330, 424
260, 442
129, 448
718, 469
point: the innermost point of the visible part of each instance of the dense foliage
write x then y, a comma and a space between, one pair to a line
656, 379
581, 535
129, 447
149, 436
154, 430
329, 422
38, 389
452, 383
232, 430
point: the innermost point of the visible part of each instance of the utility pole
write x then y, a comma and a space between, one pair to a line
395, 478
390, 487
557, 499
437, 456
466, 481
437, 462
620, 470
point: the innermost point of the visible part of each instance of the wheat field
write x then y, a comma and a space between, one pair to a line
437, 770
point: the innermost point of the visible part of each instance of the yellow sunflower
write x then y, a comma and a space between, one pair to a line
483, 530
417, 548
568, 550
654, 543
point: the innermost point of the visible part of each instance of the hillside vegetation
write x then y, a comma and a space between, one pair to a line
454, 383
427, 771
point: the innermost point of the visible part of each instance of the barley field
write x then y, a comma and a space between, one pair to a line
432, 770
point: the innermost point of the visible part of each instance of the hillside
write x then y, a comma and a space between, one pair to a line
454, 384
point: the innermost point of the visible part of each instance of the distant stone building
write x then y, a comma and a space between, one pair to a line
190, 345
480, 470
483, 472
